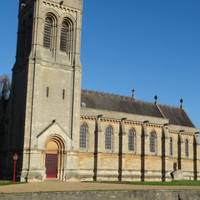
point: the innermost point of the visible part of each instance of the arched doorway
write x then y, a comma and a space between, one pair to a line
54, 158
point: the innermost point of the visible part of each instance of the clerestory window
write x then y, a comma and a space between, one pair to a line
186, 148
153, 142
131, 140
83, 136
108, 138
171, 146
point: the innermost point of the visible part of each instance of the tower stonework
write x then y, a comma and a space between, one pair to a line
45, 107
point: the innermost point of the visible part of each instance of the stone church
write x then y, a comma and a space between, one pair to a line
62, 132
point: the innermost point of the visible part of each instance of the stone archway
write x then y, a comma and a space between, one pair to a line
54, 158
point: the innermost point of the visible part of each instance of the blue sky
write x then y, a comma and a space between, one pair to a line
152, 46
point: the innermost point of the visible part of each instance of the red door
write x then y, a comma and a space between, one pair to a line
51, 164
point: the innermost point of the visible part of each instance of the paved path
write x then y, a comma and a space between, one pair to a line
62, 186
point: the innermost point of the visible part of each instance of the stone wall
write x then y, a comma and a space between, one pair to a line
119, 195
140, 164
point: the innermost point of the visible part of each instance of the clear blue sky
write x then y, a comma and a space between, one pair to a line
153, 46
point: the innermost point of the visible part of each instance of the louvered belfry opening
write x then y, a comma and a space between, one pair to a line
66, 38
48, 32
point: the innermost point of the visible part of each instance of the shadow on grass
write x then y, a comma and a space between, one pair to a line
8, 183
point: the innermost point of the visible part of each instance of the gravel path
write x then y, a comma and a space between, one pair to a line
56, 186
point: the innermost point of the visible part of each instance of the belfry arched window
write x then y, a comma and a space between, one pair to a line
153, 142
108, 138
186, 148
49, 31
171, 146
83, 136
131, 140
66, 37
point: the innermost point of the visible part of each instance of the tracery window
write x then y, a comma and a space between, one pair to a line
131, 140
83, 136
186, 148
66, 38
48, 32
153, 142
108, 138
171, 146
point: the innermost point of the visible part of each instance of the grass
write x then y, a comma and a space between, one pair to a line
7, 183
171, 183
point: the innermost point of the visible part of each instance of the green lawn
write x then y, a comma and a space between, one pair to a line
172, 183
7, 183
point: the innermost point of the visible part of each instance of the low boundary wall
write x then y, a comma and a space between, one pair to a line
106, 195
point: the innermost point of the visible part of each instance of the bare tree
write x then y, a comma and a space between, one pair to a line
4, 87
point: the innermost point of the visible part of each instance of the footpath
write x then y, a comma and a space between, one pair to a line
56, 186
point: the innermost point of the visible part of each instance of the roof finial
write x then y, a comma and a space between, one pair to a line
133, 93
156, 99
181, 103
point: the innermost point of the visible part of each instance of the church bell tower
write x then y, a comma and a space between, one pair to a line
46, 90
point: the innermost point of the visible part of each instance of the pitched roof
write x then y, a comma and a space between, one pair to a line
111, 102
176, 116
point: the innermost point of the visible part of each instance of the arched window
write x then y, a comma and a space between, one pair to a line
108, 138
66, 37
171, 146
153, 142
48, 32
83, 136
131, 140
186, 148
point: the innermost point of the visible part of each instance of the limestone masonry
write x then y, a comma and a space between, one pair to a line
62, 132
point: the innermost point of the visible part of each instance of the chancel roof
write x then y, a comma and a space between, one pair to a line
176, 116
111, 102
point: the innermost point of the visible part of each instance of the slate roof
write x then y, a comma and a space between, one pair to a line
111, 102
176, 116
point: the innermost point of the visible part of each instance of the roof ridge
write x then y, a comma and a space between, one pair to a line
117, 95
106, 93
170, 106
129, 98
